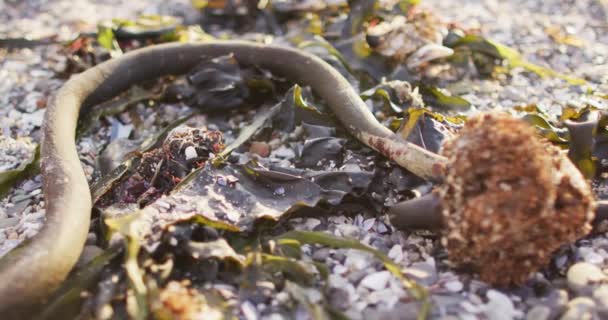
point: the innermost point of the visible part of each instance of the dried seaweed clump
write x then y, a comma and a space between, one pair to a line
510, 199
413, 40
162, 168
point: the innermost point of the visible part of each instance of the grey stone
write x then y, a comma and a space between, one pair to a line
339, 298
454, 286
357, 276
422, 272
499, 306
9, 222
376, 281
401, 311
396, 253
538, 312
321, 254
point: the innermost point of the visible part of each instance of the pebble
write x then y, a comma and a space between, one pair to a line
321, 254
400, 311
348, 230
340, 269
284, 152
358, 260
368, 224
248, 310
579, 308
35, 118
311, 223
454, 286
338, 282
282, 297
20, 197
339, 298
30, 185
423, 272
581, 274
376, 281
190, 153
499, 306
91, 238
33, 217
600, 294
396, 253
280, 191
385, 298
356, 276
9, 222
590, 256
538, 312
382, 228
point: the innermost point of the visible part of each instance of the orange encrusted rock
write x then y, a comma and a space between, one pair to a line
510, 199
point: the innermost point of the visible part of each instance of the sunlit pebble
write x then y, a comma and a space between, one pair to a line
589, 255
312, 223
382, 228
274, 316
499, 306
454, 286
560, 261
332, 164
396, 253
282, 297
249, 312
340, 269
469, 307
190, 153
106, 312
163, 204
222, 181
280, 191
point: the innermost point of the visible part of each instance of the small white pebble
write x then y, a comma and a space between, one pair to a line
190, 153
376, 281
454, 286
280, 191
249, 312
396, 253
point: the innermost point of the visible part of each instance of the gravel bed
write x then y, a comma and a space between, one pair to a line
577, 287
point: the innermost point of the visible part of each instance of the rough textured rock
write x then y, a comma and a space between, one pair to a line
510, 199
